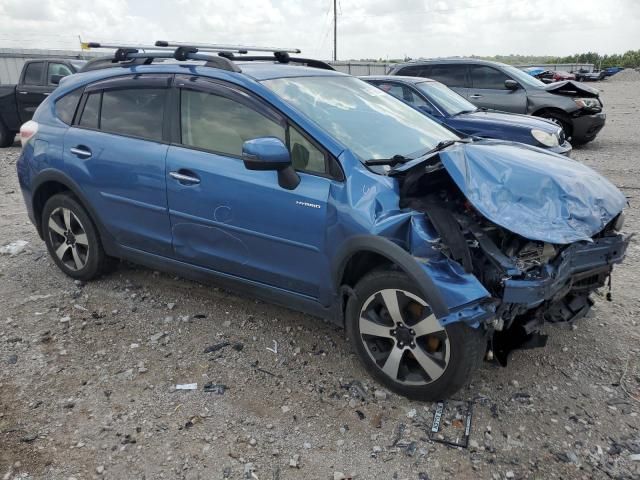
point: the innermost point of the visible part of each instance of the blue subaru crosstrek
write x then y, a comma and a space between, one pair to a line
315, 190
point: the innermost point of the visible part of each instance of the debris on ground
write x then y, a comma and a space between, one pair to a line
14, 248
217, 388
187, 386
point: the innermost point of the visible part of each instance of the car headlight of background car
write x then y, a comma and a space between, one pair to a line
546, 139
587, 103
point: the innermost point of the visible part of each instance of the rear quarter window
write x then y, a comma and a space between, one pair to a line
66, 106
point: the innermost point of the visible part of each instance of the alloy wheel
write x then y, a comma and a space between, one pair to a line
403, 337
68, 238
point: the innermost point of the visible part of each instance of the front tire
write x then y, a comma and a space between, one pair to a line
401, 343
71, 238
563, 121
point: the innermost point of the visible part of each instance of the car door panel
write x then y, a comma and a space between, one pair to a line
241, 222
488, 91
31, 91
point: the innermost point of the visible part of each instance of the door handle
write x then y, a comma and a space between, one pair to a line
475, 95
23, 93
185, 179
81, 151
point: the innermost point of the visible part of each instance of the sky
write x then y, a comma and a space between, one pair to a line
366, 28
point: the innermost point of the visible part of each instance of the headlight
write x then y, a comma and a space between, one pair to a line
546, 139
588, 103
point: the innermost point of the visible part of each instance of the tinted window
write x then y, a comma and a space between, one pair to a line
66, 106
91, 110
414, 71
487, 77
57, 69
222, 125
450, 75
137, 112
304, 154
33, 73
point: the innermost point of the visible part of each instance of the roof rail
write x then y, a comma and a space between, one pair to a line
127, 55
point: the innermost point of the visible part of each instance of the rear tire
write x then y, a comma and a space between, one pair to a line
6, 137
401, 343
72, 239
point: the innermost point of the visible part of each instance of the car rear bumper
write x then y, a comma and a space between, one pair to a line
581, 266
586, 127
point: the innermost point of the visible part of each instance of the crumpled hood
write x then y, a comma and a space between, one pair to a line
572, 88
540, 196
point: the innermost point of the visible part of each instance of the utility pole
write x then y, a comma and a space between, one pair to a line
335, 31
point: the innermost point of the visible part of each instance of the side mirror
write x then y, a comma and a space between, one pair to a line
269, 153
511, 84
55, 79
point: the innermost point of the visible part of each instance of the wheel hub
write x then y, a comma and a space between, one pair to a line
404, 336
70, 238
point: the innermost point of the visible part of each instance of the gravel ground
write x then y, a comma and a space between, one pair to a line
88, 375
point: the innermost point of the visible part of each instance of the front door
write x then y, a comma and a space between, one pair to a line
115, 153
237, 221
489, 91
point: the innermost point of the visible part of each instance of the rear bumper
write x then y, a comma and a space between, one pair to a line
580, 266
586, 127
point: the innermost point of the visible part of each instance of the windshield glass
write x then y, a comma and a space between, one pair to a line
447, 99
522, 77
368, 121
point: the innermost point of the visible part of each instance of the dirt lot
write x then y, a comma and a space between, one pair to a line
88, 375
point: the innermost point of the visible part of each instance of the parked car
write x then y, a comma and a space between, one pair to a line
445, 106
584, 75
612, 71
310, 188
37, 80
575, 107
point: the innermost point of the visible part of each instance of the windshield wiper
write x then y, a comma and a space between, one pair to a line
444, 144
393, 161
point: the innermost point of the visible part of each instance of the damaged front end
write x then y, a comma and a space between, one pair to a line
540, 232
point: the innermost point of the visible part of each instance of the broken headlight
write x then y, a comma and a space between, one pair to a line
587, 103
546, 139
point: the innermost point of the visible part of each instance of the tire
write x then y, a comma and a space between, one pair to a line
562, 120
72, 238
450, 354
6, 137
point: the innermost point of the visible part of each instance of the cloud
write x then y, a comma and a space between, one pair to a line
366, 28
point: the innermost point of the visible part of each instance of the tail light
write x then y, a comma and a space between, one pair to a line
27, 132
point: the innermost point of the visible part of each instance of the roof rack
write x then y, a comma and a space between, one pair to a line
127, 55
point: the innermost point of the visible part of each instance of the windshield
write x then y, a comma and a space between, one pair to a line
447, 99
370, 123
522, 77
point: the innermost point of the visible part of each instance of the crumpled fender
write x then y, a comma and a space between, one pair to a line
540, 196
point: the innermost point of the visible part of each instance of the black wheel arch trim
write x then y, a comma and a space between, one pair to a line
52, 175
398, 256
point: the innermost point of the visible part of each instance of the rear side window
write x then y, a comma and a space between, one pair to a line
66, 106
91, 111
451, 75
488, 77
216, 123
137, 112
33, 73
413, 71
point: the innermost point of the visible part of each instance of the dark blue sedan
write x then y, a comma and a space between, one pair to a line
445, 106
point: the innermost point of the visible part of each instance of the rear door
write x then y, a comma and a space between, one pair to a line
31, 91
237, 221
489, 91
115, 152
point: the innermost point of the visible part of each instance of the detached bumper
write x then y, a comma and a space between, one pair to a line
581, 266
586, 127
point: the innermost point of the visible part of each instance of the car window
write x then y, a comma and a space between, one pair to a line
91, 111
137, 112
446, 99
451, 75
57, 69
404, 93
33, 73
488, 77
66, 106
304, 154
217, 123
414, 70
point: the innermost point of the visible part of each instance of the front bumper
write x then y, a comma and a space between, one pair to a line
576, 266
564, 149
586, 127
